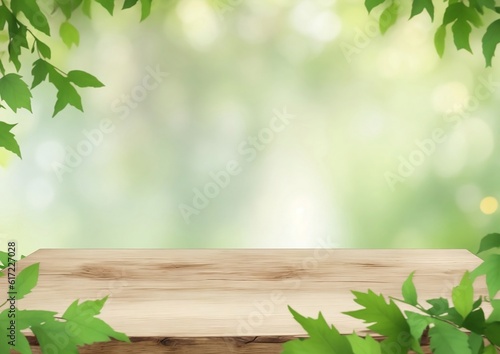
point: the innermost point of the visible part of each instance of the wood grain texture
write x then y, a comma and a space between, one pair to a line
229, 301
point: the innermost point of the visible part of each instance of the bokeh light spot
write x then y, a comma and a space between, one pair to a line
488, 205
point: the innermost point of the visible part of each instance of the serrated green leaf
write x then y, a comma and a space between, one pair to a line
387, 317
43, 49
388, 17
463, 296
69, 34
92, 329
419, 5
439, 40
366, 345
146, 9
461, 32
33, 13
109, 5
409, 291
26, 280
489, 268
371, 4
489, 242
83, 79
447, 339
439, 306
39, 71
66, 93
323, 339
85, 328
128, 4
15, 92
7, 139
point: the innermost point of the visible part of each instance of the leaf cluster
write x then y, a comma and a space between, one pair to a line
459, 326
77, 326
460, 16
27, 25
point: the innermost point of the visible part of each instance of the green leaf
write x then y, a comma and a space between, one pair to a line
83, 79
490, 349
409, 291
33, 13
128, 4
419, 5
387, 317
447, 339
490, 41
43, 49
489, 242
418, 323
86, 8
475, 321
39, 72
18, 40
492, 332
463, 296
459, 11
476, 343
439, 40
84, 327
4, 256
66, 93
146, 8
83, 315
461, 32
28, 318
69, 34
388, 17
8, 141
495, 314
323, 338
489, 268
26, 280
68, 6
109, 5
366, 345
371, 4
490, 4
15, 92
21, 343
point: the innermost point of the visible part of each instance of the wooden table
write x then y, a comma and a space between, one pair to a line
229, 301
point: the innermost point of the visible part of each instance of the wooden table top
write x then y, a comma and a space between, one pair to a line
186, 293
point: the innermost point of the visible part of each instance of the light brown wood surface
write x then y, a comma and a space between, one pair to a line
229, 301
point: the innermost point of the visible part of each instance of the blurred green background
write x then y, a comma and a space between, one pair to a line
389, 146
